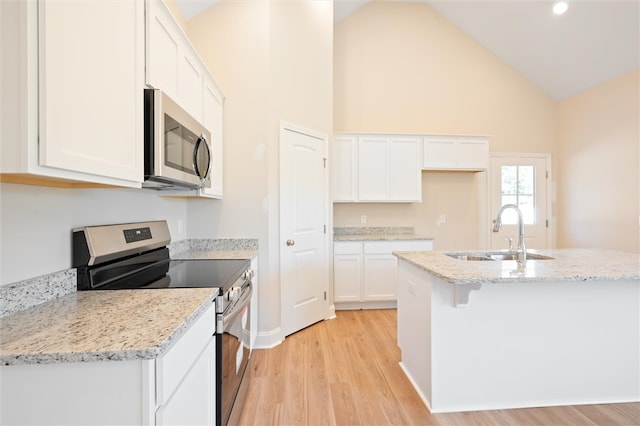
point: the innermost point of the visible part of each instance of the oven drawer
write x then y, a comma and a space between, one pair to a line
174, 365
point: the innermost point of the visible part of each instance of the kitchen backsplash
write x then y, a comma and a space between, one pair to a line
25, 294
374, 230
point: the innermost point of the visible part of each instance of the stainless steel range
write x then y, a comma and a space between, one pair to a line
135, 256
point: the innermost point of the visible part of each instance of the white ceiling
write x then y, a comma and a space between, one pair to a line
595, 41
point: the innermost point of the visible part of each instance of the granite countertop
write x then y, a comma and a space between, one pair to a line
101, 325
377, 234
71, 327
567, 265
215, 254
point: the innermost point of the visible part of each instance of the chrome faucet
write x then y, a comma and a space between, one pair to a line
497, 224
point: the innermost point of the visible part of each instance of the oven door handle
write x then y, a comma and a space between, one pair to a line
237, 307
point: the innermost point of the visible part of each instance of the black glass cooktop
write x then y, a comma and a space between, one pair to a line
156, 270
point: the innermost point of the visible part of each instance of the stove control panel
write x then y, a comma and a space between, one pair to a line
137, 234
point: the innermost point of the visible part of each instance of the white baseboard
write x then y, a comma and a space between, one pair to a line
351, 306
416, 387
269, 339
332, 312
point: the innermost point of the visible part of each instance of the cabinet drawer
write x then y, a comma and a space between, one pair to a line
387, 247
347, 248
173, 366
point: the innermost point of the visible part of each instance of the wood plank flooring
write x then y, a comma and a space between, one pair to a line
345, 371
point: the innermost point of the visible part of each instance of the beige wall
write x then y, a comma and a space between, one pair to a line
273, 61
598, 181
401, 67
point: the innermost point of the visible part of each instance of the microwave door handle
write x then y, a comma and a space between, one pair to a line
203, 176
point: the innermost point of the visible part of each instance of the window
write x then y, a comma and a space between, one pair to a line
518, 187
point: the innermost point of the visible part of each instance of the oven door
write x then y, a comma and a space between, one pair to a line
233, 350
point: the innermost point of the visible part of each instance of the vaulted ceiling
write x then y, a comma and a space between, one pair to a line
593, 42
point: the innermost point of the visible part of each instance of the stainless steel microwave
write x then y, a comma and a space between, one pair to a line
176, 146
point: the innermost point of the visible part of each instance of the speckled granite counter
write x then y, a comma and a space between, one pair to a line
216, 254
376, 234
141, 324
568, 265
228, 248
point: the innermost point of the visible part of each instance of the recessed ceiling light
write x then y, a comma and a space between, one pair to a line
560, 7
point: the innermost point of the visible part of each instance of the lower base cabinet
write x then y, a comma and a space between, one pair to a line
365, 273
176, 388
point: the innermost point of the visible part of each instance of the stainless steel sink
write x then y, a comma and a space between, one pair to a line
514, 256
497, 255
468, 256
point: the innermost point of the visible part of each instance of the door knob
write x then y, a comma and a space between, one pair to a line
290, 242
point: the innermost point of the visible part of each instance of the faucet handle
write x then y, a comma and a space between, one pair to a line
510, 243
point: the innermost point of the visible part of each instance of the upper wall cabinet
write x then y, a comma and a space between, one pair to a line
377, 168
213, 121
456, 153
172, 64
72, 80
344, 174
174, 67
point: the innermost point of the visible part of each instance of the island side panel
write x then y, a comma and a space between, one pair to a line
414, 327
534, 344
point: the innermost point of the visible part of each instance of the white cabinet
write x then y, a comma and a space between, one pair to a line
377, 168
213, 121
192, 401
364, 273
72, 79
347, 272
344, 174
174, 67
456, 153
176, 388
172, 64
185, 377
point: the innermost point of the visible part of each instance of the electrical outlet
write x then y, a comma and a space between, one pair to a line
412, 288
363, 219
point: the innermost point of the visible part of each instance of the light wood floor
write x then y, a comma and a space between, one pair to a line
345, 371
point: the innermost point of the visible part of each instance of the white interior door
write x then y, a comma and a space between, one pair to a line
303, 219
521, 180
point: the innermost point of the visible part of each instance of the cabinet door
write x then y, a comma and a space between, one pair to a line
380, 270
91, 66
213, 121
347, 277
190, 82
163, 49
345, 168
440, 153
173, 66
405, 178
380, 278
373, 168
456, 153
473, 154
193, 402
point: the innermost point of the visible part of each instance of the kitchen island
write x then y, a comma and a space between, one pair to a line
486, 334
